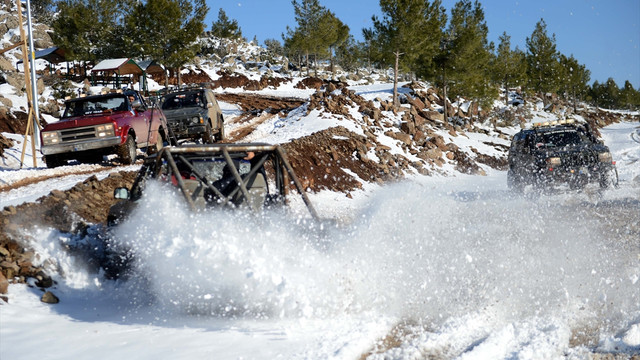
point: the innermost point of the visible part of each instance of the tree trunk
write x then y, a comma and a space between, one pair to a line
331, 60
307, 60
395, 80
444, 91
179, 76
506, 93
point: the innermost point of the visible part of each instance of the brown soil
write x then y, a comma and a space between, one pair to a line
258, 103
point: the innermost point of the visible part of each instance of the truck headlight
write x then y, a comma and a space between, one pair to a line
105, 130
197, 120
554, 161
605, 157
50, 138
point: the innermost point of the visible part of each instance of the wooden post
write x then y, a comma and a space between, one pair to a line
25, 62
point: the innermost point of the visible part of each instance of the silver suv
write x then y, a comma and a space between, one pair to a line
194, 114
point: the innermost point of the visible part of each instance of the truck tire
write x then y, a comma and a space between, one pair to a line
221, 135
53, 161
127, 151
155, 148
208, 137
514, 182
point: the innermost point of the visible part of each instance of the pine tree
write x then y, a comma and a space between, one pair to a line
331, 33
407, 32
471, 53
508, 66
575, 78
224, 28
303, 38
351, 54
89, 30
167, 30
629, 97
542, 60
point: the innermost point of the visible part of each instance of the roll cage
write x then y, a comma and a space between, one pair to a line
270, 160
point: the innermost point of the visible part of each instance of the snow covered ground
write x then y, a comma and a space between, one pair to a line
452, 267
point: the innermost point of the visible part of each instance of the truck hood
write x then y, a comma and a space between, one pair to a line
80, 121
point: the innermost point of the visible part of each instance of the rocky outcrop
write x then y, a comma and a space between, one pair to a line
69, 211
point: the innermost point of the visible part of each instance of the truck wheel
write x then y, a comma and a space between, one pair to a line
155, 148
221, 134
53, 161
604, 180
514, 182
127, 151
208, 137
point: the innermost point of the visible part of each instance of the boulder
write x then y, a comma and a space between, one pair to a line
49, 298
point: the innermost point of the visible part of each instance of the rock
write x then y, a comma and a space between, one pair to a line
4, 284
49, 298
6, 65
434, 115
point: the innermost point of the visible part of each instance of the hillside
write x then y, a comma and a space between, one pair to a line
432, 256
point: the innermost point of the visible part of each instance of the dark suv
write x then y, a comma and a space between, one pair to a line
558, 152
194, 114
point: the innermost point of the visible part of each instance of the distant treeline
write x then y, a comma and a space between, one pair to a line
415, 37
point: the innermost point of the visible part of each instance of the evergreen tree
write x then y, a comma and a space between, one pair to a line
224, 28
471, 53
43, 11
508, 66
331, 33
89, 30
629, 97
167, 30
274, 47
575, 79
351, 55
542, 60
407, 33
304, 38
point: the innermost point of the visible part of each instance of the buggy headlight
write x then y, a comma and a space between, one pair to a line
605, 157
105, 130
554, 161
50, 138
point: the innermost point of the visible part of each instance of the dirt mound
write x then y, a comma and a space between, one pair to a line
4, 144
320, 159
310, 83
13, 122
259, 103
71, 210
228, 80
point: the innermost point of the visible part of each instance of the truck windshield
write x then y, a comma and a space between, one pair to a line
558, 139
94, 106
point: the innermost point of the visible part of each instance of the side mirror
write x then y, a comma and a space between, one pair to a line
121, 193
209, 105
136, 104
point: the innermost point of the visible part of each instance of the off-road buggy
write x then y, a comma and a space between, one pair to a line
252, 176
564, 152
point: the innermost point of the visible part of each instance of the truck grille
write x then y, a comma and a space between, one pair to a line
77, 134
584, 158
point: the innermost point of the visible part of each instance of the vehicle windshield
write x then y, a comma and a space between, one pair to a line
94, 106
558, 139
182, 100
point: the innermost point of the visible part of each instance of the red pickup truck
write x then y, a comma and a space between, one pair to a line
94, 126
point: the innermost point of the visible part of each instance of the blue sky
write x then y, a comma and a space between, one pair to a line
604, 35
